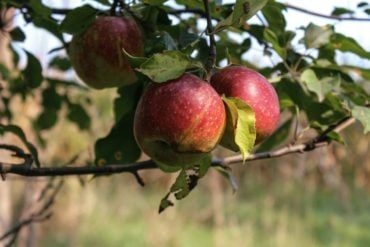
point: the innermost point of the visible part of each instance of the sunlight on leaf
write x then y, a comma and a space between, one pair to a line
166, 66
240, 133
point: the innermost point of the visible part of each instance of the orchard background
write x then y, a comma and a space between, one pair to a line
52, 124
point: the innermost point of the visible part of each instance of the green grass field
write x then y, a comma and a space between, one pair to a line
117, 212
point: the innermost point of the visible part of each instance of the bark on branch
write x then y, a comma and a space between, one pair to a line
321, 140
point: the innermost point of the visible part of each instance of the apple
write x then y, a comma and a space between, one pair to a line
179, 122
97, 54
254, 89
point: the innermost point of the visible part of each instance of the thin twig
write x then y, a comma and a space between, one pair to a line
16, 152
321, 140
211, 61
38, 216
115, 4
334, 17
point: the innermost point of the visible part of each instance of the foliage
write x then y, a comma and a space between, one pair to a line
309, 79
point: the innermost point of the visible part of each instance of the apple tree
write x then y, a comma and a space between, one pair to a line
185, 82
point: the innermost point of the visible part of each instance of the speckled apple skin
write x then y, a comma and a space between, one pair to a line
178, 122
256, 91
97, 56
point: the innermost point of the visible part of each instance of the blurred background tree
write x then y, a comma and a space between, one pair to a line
317, 61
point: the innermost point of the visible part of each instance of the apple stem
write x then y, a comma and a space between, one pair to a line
211, 61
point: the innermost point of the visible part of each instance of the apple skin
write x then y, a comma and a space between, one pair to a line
180, 121
254, 89
97, 56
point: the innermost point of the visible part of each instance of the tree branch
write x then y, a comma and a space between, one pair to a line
133, 168
317, 142
309, 12
211, 61
64, 11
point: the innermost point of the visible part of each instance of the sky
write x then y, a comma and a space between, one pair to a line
40, 42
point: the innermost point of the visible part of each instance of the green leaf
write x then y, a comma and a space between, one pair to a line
158, 42
16, 130
276, 138
166, 66
39, 8
61, 63
204, 166
78, 20
341, 11
78, 115
188, 39
319, 87
272, 37
198, 4
41, 17
317, 36
335, 136
240, 132
181, 186
4, 72
33, 71
49, 25
273, 13
134, 62
313, 84
362, 114
168, 168
51, 99
119, 146
47, 119
180, 189
154, 2
185, 182
17, 34
104, 2
165, 203
362, 4
243, 10
127, 100
347, 44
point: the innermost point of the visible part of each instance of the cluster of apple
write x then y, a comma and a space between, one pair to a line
180, 121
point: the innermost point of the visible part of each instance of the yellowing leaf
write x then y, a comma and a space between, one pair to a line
240, 133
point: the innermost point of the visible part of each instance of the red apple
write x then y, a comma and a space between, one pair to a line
180, 121
97, 56
251, 87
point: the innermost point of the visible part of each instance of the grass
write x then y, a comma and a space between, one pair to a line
115, 212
